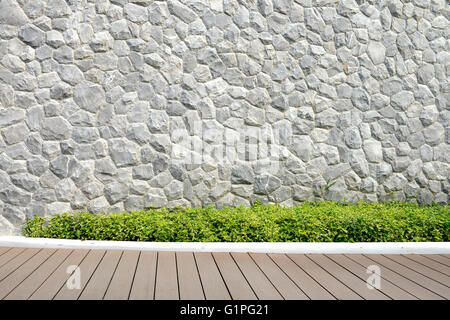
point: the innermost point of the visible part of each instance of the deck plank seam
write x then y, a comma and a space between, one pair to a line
242, 273
51, 273
199, 277
395, 262
17, 267
407, 256
92, 274
404, 276
416, 270
446, 258
358, 277
134, 275
312, 277
5, 252
178, 277
112, 276
221, 275
65, 283
289, 277
267, 277
432, 258
156, 275
26, 277
14, 256
332, 275
384, 279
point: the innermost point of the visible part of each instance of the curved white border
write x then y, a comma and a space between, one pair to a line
264, 247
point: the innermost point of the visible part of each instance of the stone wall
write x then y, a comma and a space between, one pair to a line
115, 105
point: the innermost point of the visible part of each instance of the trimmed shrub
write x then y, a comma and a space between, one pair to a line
309, 222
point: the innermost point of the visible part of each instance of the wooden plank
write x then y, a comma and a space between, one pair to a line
307, 284
262, 287
166, 277
87, 268
8, 256
418, 278
234, 280
213, 286
188, 277
120, 286
15, 278
335, 287
4, 250
144, 280
346, 277
386, 287
430, 263
439, 258
57, 279
98, 284
27, 287
420, 268
400, 281
285, 286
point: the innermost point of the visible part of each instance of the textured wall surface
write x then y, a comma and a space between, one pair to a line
115, 105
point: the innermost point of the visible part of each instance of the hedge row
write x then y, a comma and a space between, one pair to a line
310, 222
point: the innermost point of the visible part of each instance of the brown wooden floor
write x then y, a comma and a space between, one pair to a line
114, 274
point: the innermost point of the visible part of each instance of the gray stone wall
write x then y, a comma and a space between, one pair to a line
115, 105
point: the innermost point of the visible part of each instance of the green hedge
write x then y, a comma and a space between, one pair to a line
310, 222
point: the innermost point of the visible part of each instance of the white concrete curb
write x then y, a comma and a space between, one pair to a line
267, 247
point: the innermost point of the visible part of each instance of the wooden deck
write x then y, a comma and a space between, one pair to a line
119, 275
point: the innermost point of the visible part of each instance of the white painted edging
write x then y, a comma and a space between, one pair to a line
265, 247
